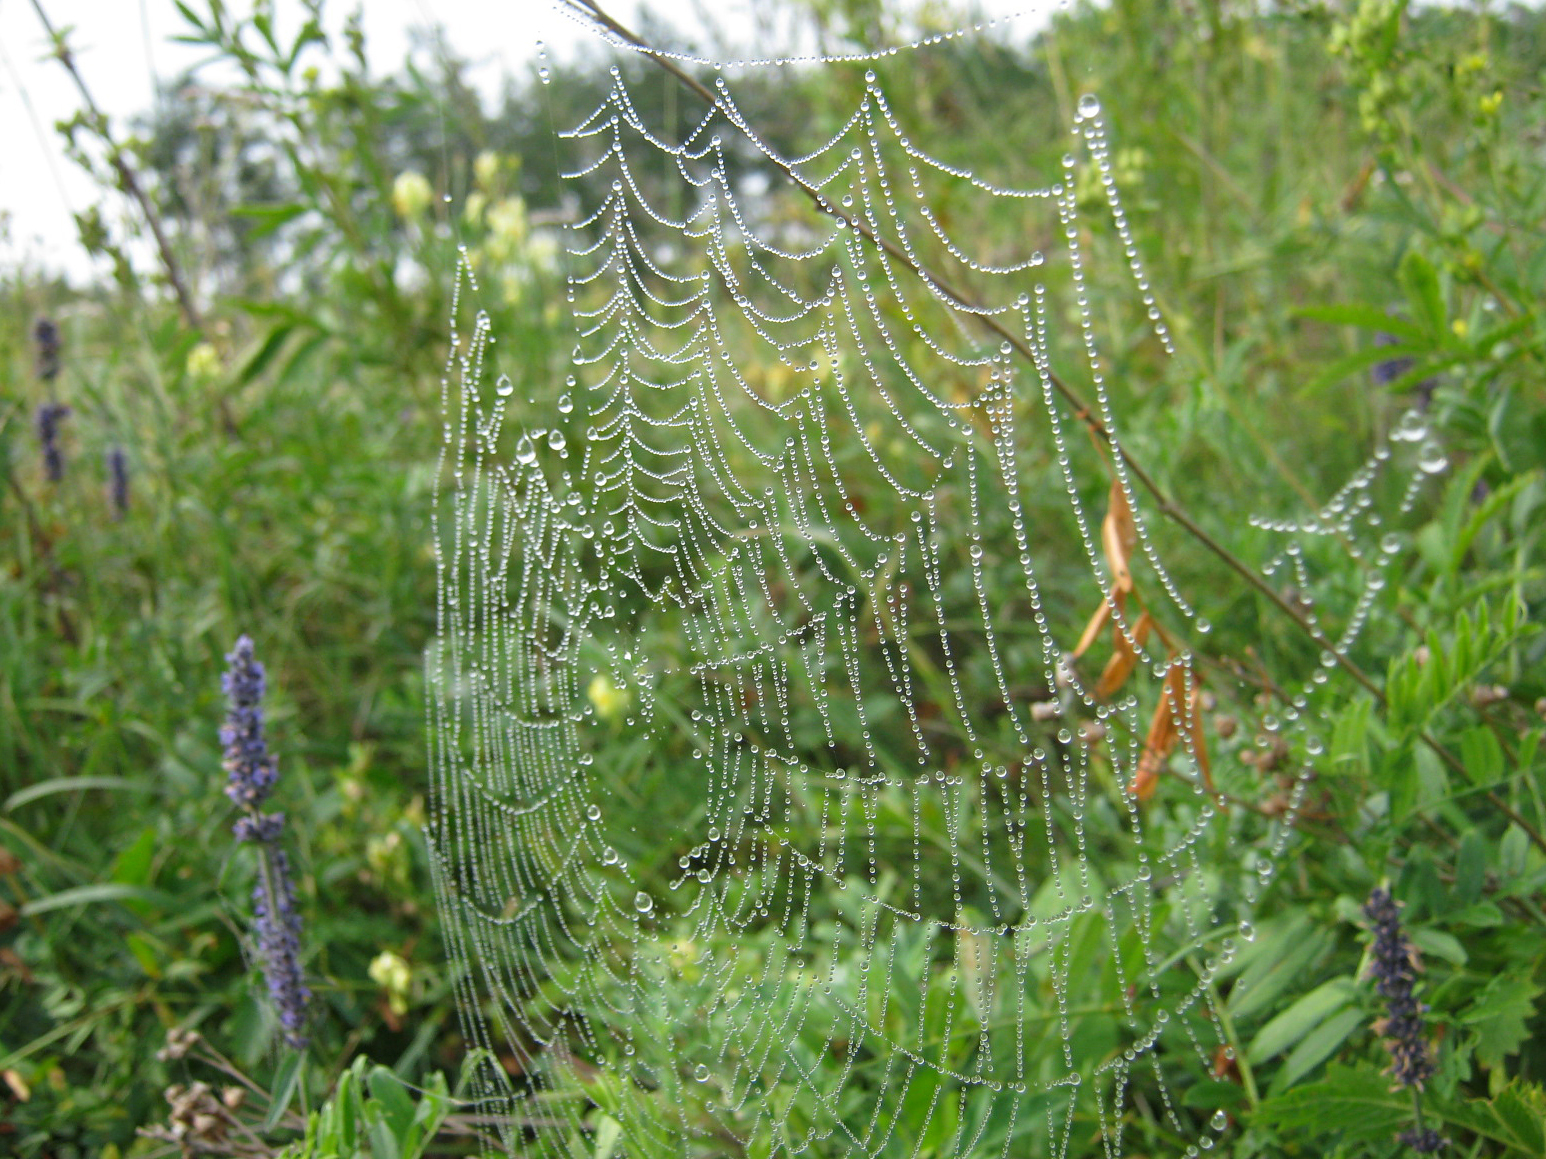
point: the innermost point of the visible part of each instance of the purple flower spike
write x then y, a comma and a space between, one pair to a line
277, 922
46, 335
49, 416
1394, 970
278, 928
247, 758
118, 481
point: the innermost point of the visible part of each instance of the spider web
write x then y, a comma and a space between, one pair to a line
774, 812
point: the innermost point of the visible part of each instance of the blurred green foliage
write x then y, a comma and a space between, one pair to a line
1301, 176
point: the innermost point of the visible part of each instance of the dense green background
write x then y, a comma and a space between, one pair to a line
1300, 177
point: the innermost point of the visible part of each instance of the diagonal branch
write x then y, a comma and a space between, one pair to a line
126, 175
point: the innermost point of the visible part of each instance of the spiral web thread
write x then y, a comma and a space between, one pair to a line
769, 557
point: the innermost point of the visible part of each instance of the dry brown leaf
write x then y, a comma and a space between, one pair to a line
1124, 658
1099, 620
1165, 730
1118, 538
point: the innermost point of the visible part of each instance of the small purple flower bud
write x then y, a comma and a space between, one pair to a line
263, 828
49, 416
1385, 373
118, 481
45, 333
1423, 1140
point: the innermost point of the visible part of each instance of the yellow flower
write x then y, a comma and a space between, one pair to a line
507, 226
485, 170
411, 195
204, 362
1461, 327
394, 975
472, 211
1491, 104
608, 699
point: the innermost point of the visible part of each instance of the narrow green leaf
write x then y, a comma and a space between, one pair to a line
1299, 1019
287, 1081
1318, 1046
1423, 293
1362, 315
609, 1132
92, 894
70, 785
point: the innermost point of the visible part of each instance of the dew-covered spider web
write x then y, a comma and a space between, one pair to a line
821, 755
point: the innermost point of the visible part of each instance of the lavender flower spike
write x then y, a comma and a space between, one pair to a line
247, 759
49, 416
277, 923
278, 928
1394, 969
46, 334
118, 481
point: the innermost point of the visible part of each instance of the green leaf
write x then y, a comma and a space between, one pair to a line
1356, 1103
268, 218
1362, 315
287, 1081
264, 354
1471, 859
92, 894
1280, 962
1518, 431
1500, 1016
609, 1132
1299, 1019
1440, 945
395, 1101
1423, 293
1515, 1118
70, 785
1318, 1046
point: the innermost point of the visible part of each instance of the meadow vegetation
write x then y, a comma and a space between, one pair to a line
1342, 207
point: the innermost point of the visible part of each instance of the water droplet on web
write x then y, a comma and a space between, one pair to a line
504, 388
1431, 457
1089, 105
593, 812
525, 453
643, 902
1410, 428
565, 404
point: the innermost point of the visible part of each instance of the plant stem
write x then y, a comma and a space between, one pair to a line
126, 176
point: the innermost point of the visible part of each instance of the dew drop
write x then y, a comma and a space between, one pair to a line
525, 453
1089, 105
504, 388
593, 812
1431, 457
701, 1073
643, 902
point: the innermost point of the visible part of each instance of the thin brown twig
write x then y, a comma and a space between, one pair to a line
126, 175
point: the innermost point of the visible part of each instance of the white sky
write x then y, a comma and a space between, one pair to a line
120, 45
